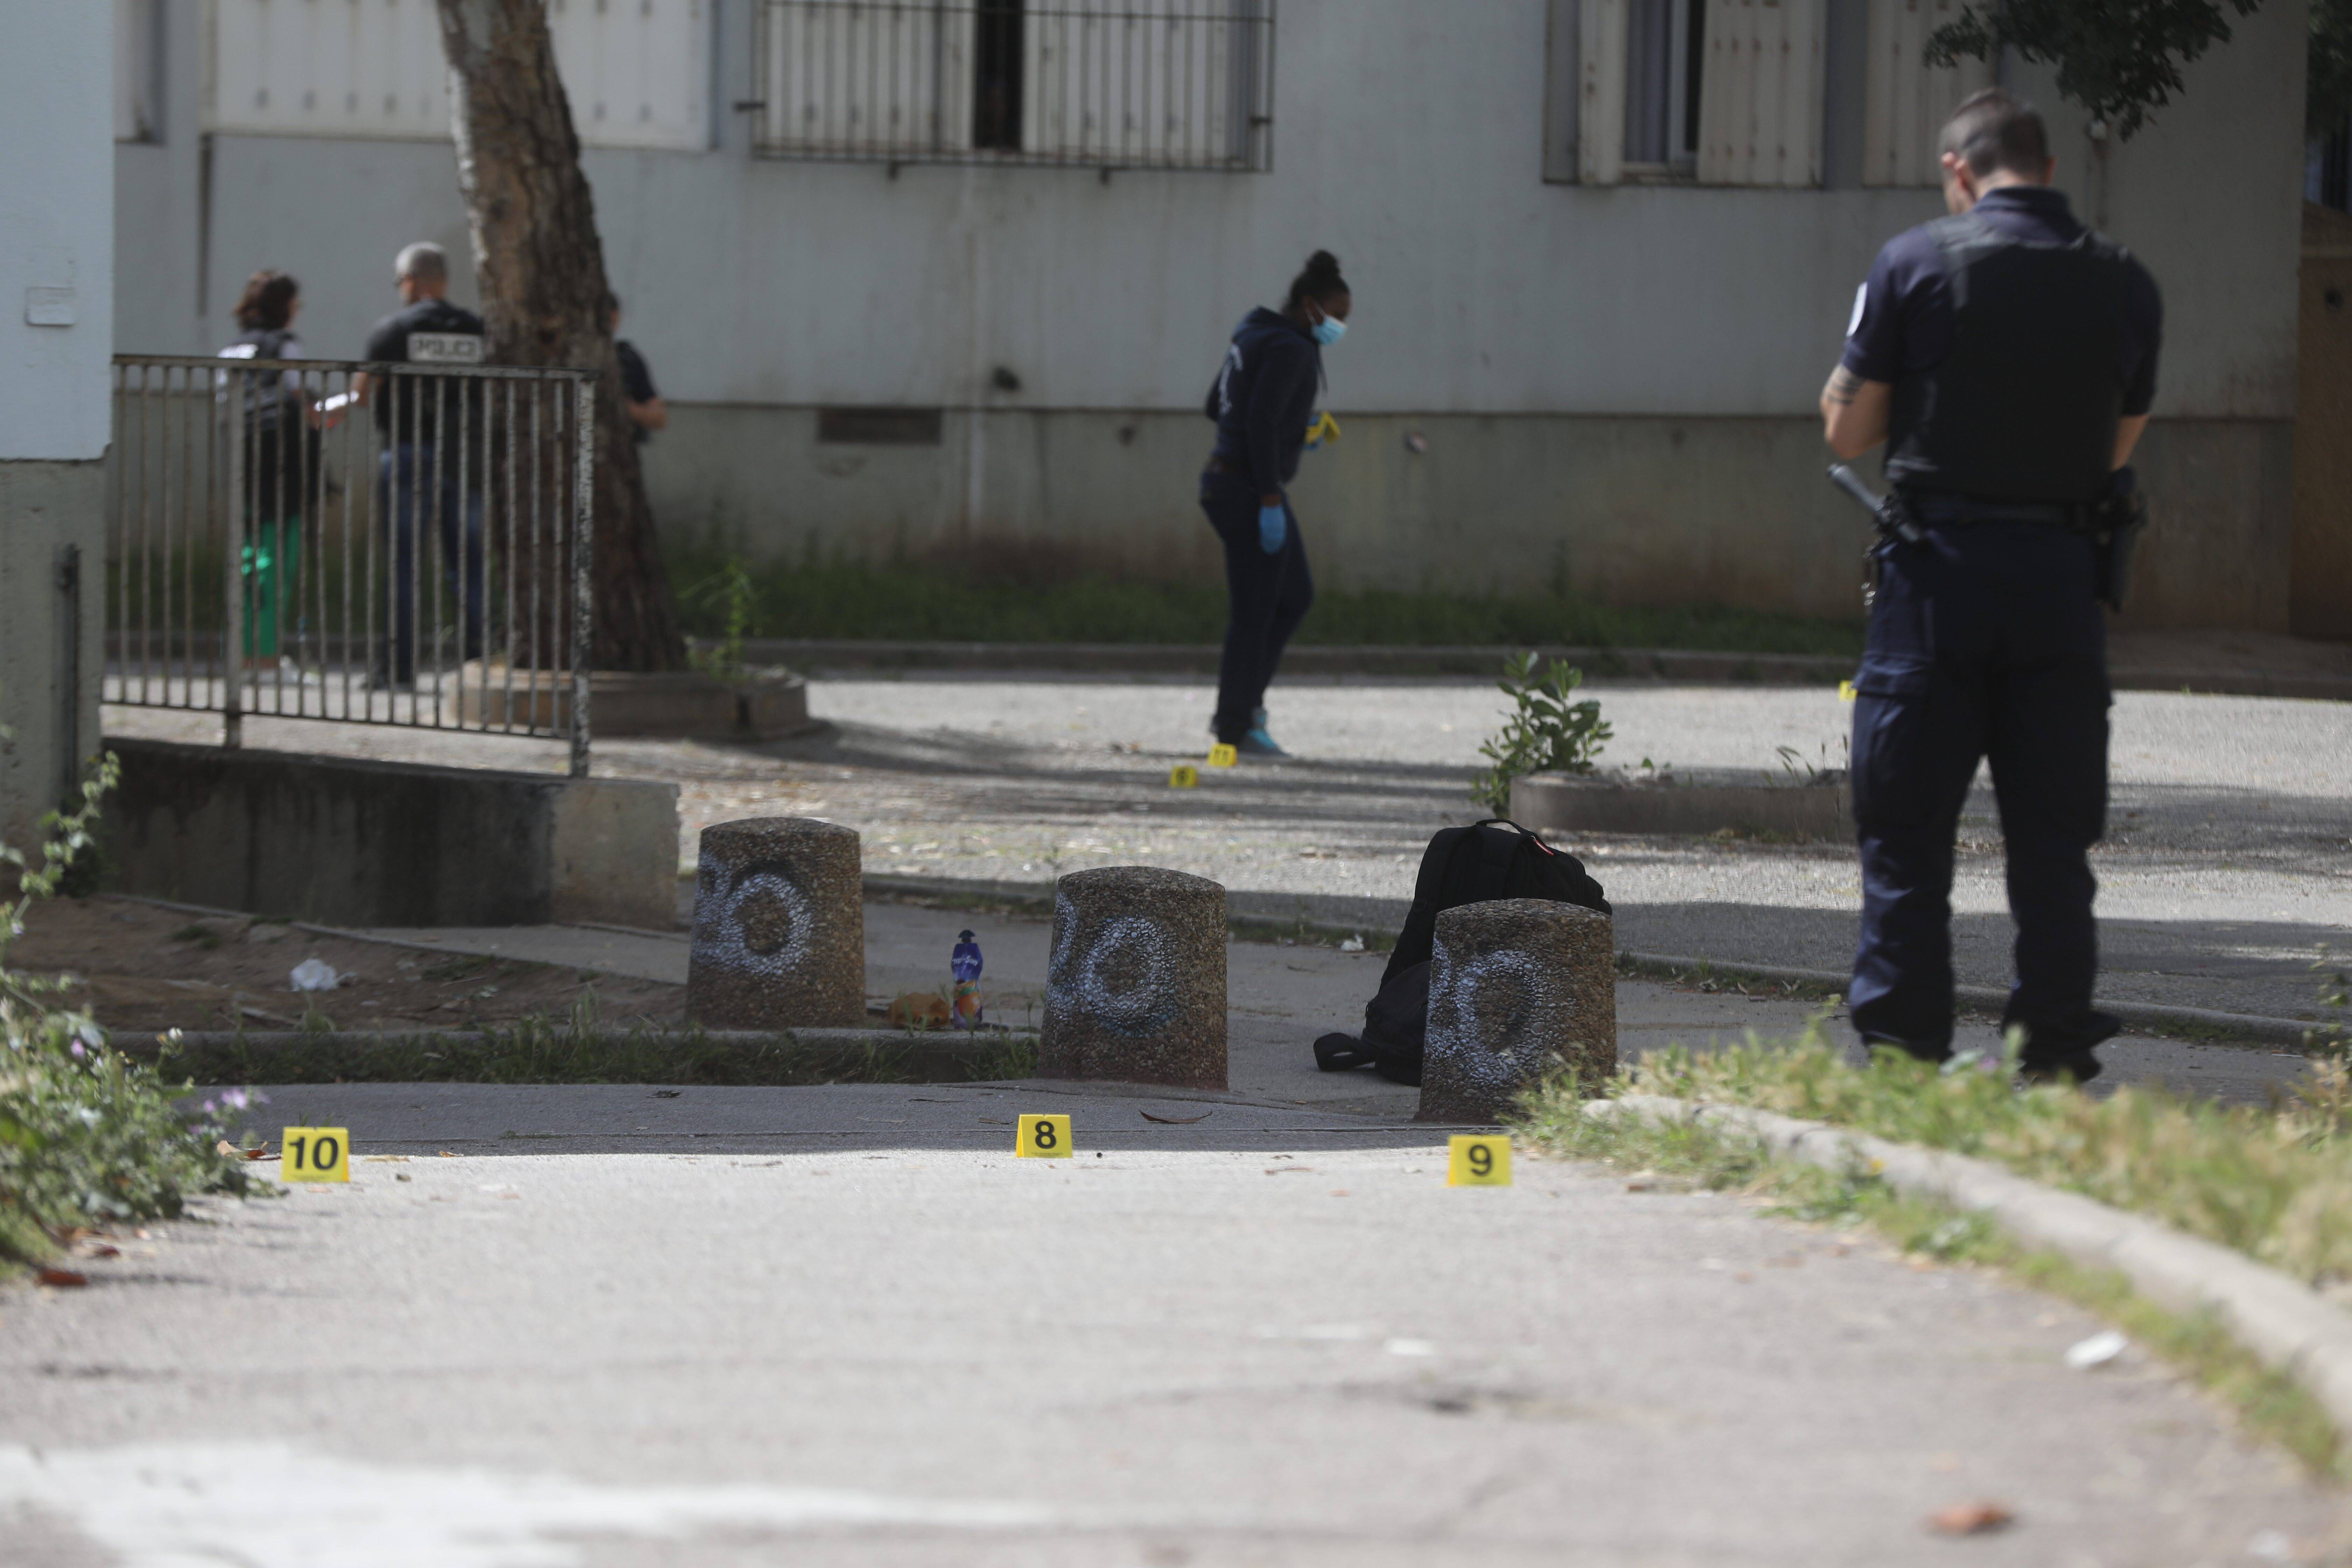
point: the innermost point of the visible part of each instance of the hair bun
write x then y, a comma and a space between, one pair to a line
1323, 264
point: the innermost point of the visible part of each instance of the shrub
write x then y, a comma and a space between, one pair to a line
88, 1137
1548, 732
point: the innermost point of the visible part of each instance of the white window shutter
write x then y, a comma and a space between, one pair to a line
1113, 81
365, 68
1760, 93
871, 79
637, 71
1601, 121
375, 69
1907, 103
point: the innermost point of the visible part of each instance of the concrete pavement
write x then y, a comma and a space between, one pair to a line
896, 1349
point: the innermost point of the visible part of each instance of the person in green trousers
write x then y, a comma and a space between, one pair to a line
280, 466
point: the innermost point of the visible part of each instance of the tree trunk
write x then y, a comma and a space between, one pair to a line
541, 271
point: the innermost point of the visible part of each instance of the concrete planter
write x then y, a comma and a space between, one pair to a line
357, 842
765, 705
1683, 802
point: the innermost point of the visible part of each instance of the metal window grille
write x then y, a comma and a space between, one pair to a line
274, 550
1111, 84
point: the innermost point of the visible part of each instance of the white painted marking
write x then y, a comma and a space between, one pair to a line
272, 1506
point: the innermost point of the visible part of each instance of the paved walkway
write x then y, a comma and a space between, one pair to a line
846, 1327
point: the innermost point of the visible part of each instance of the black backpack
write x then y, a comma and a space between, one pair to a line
266, 405
1487, 860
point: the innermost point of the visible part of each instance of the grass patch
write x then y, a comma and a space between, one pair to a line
2275, 1184
539, 1051
1699, 1155
943, 603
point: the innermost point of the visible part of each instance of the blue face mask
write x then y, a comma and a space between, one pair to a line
1329, 331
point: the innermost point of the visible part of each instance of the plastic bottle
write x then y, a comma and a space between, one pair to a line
964, 1013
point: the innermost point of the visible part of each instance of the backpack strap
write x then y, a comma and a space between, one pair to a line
1497, 852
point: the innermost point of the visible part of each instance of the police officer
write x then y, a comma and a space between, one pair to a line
431, 430
1262, 401
647, 411
2007, 356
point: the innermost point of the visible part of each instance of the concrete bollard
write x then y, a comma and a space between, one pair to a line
1517, 986
1136, 988
778, 927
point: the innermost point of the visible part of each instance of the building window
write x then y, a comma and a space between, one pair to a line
1719, 92
637, 72
1905, 103
1144, 84
1664, 40
138, 71
2327, 170
996, 76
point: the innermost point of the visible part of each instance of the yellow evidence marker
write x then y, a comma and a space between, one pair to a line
1223, 756
316, 1154
1478, 1160
1183, 775
1042, 1137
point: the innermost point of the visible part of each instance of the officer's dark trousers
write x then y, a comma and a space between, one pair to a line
1269, 597
418, 497
1985, 642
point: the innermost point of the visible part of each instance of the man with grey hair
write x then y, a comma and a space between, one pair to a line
431, 431
2006, 355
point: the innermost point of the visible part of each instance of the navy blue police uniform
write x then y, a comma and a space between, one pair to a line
430, 480
1262, 401
2014, 338
636, 383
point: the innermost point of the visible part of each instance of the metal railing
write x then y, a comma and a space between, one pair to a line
1109, 84
401, 545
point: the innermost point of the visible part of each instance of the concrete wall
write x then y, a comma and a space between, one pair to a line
1599, 372
56, 309
48, 674
397, 844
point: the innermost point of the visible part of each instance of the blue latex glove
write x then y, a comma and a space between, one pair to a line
1273, 528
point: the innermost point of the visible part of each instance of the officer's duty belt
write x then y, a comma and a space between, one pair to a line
1960, 511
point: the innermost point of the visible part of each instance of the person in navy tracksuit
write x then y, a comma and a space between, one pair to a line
1262, 402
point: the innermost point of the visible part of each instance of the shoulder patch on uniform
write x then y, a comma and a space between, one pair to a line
1860, 298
